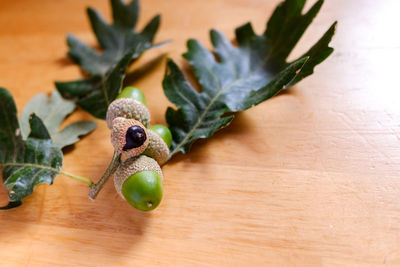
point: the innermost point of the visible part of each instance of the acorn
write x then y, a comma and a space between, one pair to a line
129, 137
138, 180
164, 132
157, 148
133, 92
128, 108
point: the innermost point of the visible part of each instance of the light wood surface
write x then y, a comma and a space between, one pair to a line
309, 178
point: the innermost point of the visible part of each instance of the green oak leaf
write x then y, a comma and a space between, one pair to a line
25, 163
31, 151
53, 112
70, 134
120, 44
239, 77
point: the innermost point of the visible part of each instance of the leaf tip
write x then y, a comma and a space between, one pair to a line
190, 43
90, 10
170, 65
213, 32
334, 26
157, 17
11, 205
318, 4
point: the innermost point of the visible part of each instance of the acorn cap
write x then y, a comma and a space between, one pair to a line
157, 148
129, 137
127, 108
132, 166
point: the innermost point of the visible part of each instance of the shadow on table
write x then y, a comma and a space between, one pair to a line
63, 215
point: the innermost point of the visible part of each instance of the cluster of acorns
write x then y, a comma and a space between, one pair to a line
138, 178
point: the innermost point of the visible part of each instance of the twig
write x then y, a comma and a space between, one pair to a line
112, 167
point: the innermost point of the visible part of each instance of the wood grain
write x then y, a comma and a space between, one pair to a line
309, 178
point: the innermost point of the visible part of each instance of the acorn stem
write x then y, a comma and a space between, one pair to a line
112, 167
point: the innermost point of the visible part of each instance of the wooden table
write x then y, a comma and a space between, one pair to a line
309, 178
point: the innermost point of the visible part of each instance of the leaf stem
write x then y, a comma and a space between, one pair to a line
112, 167
76, 177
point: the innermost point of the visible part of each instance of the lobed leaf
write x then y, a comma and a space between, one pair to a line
71, 133
30, 150
120, 44
53, 112
236, 78
10, 134
25, 163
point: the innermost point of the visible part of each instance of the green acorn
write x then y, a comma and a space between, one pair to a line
133, 92
139, 181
